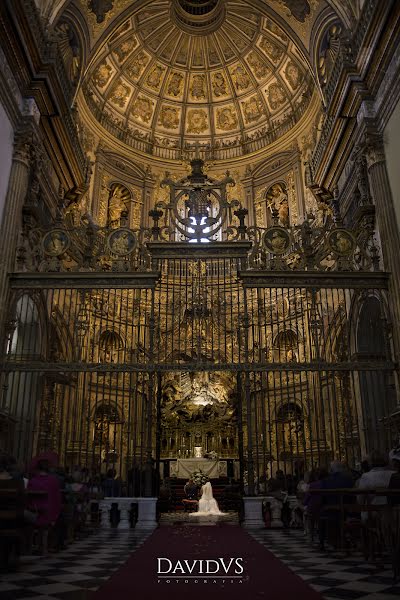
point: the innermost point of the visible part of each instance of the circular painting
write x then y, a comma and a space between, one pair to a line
277, 240
55, 242
122, 241
341, 241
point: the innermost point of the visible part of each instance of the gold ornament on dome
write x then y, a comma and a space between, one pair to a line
273, 52
102, 75
260, 69
219, 85
226, 118
293, 75
197, 88
276, 96
125, 48
154, 77
135, 69
197, 121
120, 94
175, 84
142, 109
252, 109
169, 117
240, 78
226, 70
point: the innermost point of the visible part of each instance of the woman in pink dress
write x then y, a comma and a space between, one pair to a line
47, 507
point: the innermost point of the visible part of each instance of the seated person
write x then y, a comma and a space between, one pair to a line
45, 509
377, 477
190, 490
338, 478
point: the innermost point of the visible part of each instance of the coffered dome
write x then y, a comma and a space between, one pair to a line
198, 72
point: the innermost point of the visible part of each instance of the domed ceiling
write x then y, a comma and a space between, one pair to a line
203, 72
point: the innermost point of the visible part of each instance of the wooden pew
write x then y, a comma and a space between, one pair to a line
12, 526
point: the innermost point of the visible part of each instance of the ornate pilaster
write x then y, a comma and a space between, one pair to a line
25, 144
387, 223
248, 187
148, 197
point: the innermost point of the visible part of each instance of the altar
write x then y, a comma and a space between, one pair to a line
184, 467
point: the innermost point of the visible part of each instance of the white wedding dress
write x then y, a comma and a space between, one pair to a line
207, 503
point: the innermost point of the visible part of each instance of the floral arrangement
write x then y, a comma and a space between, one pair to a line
199, 478
212, 455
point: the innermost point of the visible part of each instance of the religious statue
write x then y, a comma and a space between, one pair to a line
277, 200
117, 206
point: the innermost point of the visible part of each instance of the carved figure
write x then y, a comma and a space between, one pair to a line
226, 119
273, 52
197, 121
154, 77
276, 96
117, 204
135, 69
219, 85
142, 109
125, 48
240, 78
260, 69
252, 109
169, 117
120, 94
198, 87
175, 84
102, 75
293, 75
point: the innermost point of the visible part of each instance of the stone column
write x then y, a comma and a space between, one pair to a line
387, 225
23, 157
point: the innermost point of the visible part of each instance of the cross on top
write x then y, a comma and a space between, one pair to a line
197, 147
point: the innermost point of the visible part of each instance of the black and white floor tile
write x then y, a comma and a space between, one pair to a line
78, 571
334, 576
74, 573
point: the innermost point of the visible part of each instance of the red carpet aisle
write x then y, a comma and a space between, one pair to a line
264, 575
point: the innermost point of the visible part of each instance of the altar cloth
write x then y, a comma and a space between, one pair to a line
184, 467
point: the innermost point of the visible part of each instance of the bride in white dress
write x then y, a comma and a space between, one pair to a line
207, 503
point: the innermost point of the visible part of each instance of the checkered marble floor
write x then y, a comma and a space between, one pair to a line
74, 573
334, 576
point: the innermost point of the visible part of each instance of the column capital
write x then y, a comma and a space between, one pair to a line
25, 145
374, 150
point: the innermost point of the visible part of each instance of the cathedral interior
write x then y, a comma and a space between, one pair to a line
200, 234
